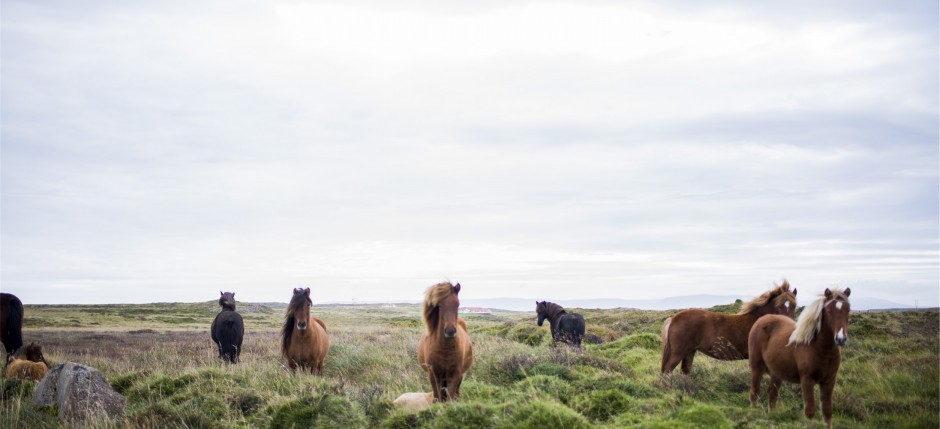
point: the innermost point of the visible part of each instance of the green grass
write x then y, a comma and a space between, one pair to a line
161, 358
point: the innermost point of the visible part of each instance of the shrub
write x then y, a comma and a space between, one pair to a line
327, 411
541, 415
600, 405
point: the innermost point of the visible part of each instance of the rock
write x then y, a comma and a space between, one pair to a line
80, 392
415, 401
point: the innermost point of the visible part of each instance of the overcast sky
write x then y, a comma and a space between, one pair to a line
163, 151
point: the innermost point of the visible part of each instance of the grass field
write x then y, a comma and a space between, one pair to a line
161, 358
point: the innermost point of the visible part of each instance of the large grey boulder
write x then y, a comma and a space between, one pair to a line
80, 392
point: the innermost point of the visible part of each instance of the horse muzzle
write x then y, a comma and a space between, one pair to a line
302, 326
841, 338
450, 332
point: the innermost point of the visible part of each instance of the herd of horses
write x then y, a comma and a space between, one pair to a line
804, 351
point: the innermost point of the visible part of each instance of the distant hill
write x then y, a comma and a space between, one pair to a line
675, 302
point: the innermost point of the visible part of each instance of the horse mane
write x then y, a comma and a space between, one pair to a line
289, 323
810, 321
434, 295
778, 295
553, 310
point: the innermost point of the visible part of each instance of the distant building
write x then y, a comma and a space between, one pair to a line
475, 310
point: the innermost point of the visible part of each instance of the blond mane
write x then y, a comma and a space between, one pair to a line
810, 320
434, 295
779, 295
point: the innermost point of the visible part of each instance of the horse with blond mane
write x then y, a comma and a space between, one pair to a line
806, 351
445, 351
304, 341
721, 336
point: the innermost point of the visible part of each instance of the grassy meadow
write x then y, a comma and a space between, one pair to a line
160, 357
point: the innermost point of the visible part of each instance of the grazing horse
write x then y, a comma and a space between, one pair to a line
445, 351
806, 351
721, 336
304, 341
27, 363
11, 323
228, 329
566, 327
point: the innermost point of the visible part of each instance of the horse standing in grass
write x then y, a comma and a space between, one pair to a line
27, 363
566, 327
304, 341
806, 351
228, 329
445, 351
11, 323
720, 336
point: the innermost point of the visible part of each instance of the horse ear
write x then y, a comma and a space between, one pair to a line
307, 291
457, 288
221, 293
794, 291
828, 294
848, 291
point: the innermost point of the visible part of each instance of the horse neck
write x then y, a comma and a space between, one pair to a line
554, 313
825, 337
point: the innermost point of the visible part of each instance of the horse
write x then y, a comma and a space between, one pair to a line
445, 351
11, 323
721, 336
27, 363
806, 351
228, 329
415, 401
566, 327
304, 340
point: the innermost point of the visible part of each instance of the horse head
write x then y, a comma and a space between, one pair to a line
300, 307
541, 308
447, 312
227, 300
31, 352
786, 303
836, 312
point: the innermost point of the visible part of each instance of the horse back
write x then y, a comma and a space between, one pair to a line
701, 329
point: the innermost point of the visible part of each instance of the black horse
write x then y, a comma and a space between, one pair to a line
11, 323
566, 327
228, 329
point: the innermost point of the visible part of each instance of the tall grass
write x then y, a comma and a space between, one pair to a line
169, 372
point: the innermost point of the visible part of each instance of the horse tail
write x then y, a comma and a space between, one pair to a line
665, 338
13, 337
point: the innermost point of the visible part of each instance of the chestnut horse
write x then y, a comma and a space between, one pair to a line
806, 351
304, 341
27, 363
445, 351
721, 336
11, 323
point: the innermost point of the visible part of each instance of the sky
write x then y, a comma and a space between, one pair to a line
165, 151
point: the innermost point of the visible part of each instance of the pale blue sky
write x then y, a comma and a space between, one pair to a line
554, 150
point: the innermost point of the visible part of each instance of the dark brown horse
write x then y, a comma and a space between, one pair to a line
228, 329
304, 341
806, 351
445, 351
566, 327
11, 323
721, 336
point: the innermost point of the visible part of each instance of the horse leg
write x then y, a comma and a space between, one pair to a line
435, 387
825, 392
809, 401
687, 363
773, 392
453, 387
757, 373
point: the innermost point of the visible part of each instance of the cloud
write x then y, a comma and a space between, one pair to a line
151, 152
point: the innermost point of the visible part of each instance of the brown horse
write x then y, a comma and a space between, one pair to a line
721, 336
27, 363
806, 351
445, 351
11, 323
304, 341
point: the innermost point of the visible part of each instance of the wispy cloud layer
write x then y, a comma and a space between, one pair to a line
160, 152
